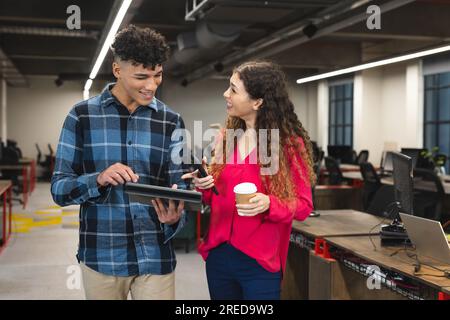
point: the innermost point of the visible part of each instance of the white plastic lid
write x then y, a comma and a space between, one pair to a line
245, 188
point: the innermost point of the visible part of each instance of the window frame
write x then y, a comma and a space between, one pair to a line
337, 102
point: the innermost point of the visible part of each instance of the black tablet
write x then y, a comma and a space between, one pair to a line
145, 193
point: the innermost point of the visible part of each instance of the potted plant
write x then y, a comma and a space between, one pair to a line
433, 160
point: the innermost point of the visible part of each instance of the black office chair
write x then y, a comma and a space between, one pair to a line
363, 156
354, 157
50, 149
372, 183
382, 199
39, 154
11, 156
429, 194
446, 226
423, 162
334, 172
319, 157
315, 150
316, 167
45, 164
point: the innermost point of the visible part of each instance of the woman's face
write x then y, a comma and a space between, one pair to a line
239, 103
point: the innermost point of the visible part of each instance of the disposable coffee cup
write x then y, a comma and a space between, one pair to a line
244, 192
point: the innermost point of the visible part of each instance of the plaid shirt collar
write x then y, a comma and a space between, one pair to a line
107, 98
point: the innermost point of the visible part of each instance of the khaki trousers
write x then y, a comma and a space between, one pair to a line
98, 286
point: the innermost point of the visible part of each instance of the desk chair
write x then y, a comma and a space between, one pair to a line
354, 157
446, 226
45, 164
363, 156
372, 183
429, 194
11, 156
335, 174
382, 199
316, 167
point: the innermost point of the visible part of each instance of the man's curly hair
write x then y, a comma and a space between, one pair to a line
140, 46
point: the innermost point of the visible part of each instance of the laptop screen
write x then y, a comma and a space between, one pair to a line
428, 237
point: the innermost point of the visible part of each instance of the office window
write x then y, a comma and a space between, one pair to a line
437, 113
340, 124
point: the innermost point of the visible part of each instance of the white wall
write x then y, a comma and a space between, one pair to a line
322, 114
304, 99
36, 114
199, 101
368, 113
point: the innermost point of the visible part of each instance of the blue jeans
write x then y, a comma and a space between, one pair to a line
232, 275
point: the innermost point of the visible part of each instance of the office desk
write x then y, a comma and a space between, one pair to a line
6, 226
309, 234
314, 271
27, 166
418, 185
338, 223
424, 185
390, 259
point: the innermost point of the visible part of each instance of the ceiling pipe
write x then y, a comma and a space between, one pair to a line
49, 32
207, 39
293, 35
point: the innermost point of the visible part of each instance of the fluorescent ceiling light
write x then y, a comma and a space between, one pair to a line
110, 38
88, 85
85, 94
375, 64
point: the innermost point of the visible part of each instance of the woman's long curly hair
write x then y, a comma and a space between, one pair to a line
265, 80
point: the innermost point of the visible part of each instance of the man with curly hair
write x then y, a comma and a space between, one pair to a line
123, 135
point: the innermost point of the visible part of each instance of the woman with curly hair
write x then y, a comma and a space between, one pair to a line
246, 245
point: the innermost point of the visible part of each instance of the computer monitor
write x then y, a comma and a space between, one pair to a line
413, 153
344, 154
403, 181
386, 162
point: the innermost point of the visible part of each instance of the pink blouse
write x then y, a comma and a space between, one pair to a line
264, 237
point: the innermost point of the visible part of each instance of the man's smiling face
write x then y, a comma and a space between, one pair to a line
138, 82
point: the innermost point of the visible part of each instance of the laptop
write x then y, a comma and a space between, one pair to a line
428, 237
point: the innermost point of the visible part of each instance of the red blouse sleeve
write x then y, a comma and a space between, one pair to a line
300, 208
206, 195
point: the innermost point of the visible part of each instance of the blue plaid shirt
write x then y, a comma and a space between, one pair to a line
118, 237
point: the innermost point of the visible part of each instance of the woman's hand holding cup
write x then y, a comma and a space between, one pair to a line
249, 202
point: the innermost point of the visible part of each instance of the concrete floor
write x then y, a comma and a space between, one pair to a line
41, 263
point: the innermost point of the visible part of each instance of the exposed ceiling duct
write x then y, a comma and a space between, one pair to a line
208, 39
333, 18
